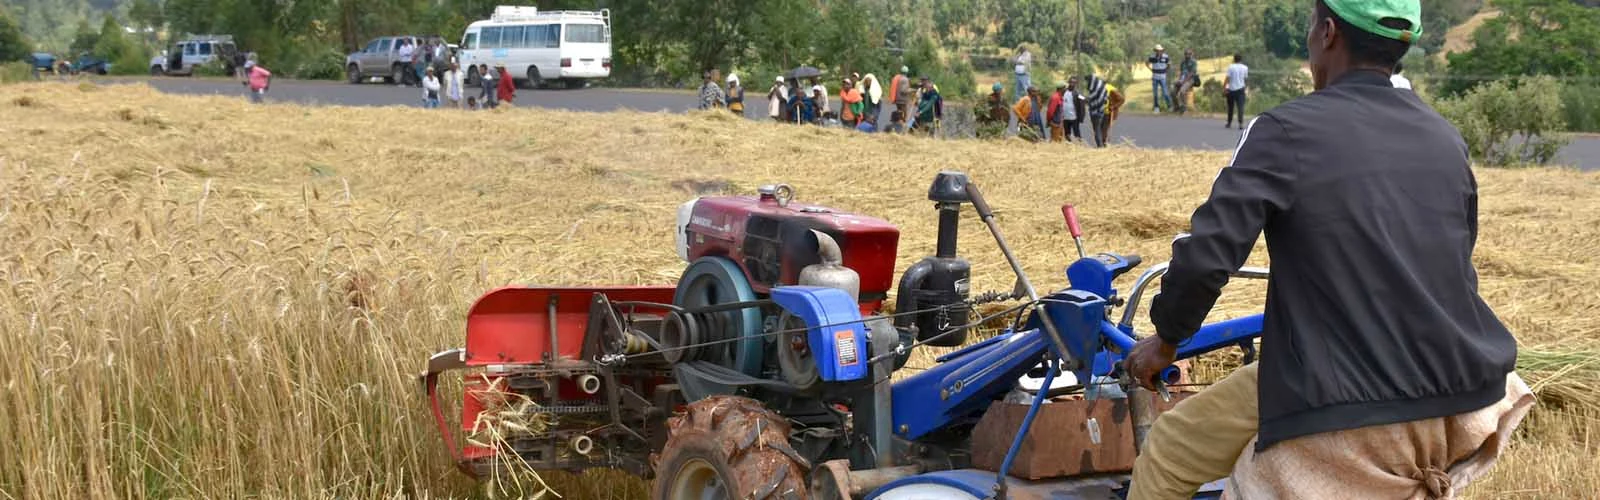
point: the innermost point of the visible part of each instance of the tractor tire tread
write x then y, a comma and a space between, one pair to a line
741, 437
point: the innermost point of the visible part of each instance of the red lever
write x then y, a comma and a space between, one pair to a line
1071, 214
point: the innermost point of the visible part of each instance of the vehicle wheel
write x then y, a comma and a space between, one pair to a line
101, 71
155, 70
397, 75
472, 76
729, 447
353, 73
534, 82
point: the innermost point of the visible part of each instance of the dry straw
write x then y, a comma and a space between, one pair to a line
210, 299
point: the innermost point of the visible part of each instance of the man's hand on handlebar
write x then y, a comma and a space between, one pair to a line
1149, 357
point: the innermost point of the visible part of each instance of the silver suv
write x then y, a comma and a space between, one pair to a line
186, 55
381, 57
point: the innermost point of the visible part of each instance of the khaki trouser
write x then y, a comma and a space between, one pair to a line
1212, 435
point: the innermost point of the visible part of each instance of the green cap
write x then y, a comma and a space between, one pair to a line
1366, 14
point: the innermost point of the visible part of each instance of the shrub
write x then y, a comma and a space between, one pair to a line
133, 61
1582, 104
1509, 122
214, 68
315, 63
16, 71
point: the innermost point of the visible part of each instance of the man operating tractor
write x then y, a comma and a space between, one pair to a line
1384, 374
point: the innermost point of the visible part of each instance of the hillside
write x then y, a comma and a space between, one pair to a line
51, 23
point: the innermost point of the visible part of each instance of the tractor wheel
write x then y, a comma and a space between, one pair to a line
729, 448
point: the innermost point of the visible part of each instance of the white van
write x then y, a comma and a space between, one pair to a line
536, 47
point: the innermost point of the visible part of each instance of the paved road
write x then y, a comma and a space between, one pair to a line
1143, 130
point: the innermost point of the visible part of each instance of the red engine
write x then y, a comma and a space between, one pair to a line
769, 237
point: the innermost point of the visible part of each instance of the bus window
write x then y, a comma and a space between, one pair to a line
517, 36
491, 37
471, 42
552, 34
585, 33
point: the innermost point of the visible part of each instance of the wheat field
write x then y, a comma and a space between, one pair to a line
207, 299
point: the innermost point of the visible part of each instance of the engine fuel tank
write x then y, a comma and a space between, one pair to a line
771, 240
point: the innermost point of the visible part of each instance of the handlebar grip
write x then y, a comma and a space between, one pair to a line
978, 202
1071, 214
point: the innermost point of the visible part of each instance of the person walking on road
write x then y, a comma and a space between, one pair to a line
735, 95
259, 81
1234, 83
505, 86
430, 89
488, 85
1158, 64
1021, 67
452, 86
1368, 199
711, 96
1095, 99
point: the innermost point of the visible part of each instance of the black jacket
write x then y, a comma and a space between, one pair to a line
1371, 213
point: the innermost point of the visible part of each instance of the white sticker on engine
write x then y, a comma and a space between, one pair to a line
844, 343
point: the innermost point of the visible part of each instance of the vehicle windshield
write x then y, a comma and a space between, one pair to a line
586, 33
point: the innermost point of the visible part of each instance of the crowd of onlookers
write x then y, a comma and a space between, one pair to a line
494, 88
913, 106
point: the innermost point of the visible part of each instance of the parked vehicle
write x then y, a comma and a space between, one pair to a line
567, 45
90, 63
198, 50
380, 57
42, 61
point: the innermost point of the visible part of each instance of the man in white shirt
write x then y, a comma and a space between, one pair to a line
1021, 64
1235, 84
406, 50
1398, 81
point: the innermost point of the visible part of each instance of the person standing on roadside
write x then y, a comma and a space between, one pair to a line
1398, 81
1074, 109
817, 88
416, 61
871, 96
930, 107
452, 86
711, 96
1158, 64
505, 86
1021, 67
1030, 114
777, 100
1053, 114
1234, 83
735, 95
1095, 97
405, 52
851, 110
1368, 199
900, 93
430, 89
259, 81
487, 86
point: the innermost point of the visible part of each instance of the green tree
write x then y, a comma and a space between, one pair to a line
1283, 28
13, 45
147, 14
85, 38
1508, 122
111, 45
1531, 37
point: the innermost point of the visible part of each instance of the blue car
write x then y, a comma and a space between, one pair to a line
89, 63
42, 61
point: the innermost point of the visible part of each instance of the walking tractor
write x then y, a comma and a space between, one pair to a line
768, 371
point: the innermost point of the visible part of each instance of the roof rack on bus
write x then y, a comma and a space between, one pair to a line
511, 13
